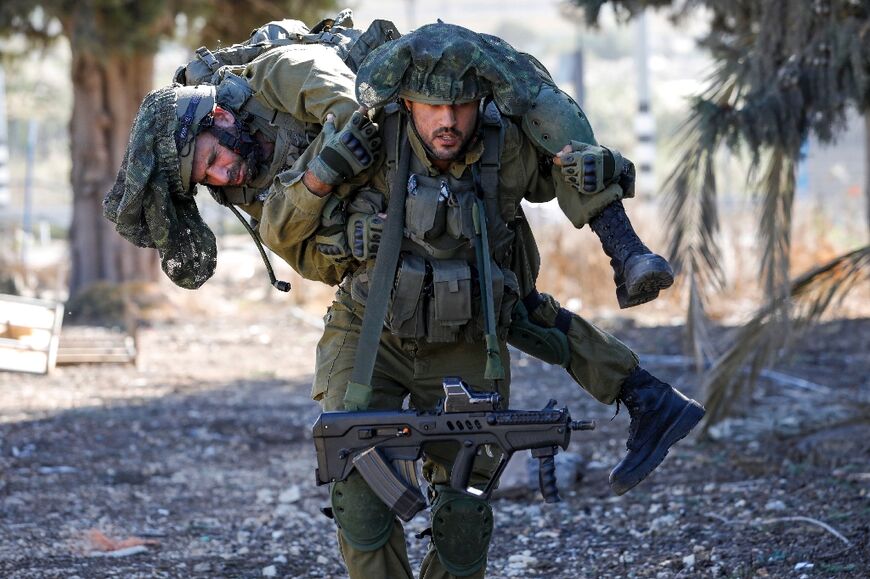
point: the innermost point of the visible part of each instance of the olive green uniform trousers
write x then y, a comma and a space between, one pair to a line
416, 369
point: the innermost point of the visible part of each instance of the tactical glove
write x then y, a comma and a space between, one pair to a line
364, 232
348, 152
589, 168
331, 238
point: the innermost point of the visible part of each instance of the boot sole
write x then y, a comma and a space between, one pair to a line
645, 289
689, 417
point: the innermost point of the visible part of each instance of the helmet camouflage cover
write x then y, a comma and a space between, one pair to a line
148, 203
448, 64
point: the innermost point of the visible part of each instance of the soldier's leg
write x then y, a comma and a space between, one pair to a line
461, 525
609, 370
639, 273
371, 539
599, 179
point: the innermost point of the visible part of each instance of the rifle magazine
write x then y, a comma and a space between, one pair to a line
401, 495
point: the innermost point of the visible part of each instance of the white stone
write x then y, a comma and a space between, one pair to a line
270, 571
774, 506
689, 561
290, 495
660, 523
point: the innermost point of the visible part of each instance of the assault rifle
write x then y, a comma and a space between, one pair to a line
383, 445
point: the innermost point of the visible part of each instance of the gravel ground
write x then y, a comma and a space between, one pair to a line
204, 448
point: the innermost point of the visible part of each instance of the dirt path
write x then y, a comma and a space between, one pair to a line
205, 448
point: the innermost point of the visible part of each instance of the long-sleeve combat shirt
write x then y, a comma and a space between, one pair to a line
291, 213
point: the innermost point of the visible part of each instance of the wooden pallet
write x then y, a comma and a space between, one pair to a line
29, 331
93, 345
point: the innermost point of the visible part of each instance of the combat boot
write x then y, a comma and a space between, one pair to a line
660, 416
639, 274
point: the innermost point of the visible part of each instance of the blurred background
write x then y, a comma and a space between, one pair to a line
746, 125
749, 123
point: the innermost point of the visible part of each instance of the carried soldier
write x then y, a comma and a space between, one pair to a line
445, 140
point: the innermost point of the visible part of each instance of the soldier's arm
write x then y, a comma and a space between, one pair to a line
307, 81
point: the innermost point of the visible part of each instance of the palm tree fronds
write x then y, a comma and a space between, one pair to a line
811, 295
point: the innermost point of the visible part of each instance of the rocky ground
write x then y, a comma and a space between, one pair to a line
203, 451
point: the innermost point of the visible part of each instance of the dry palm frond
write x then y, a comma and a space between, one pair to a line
755, 345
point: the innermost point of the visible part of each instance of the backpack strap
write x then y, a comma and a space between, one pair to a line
490, 160
359, 389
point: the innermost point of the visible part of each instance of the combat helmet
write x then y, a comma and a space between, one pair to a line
193, 108
151, 203
447, 64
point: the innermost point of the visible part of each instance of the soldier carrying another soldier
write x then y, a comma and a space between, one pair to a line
452, 155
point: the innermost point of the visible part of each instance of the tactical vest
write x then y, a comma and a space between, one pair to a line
436, 295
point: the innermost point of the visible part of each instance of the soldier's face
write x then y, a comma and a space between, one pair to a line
214, 164
445, 129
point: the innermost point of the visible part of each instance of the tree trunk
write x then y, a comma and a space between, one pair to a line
107, 91
867, 170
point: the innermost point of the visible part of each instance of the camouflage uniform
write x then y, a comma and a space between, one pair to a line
437, 331
434, 325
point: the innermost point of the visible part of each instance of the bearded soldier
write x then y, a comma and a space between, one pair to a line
449, 167
463, 112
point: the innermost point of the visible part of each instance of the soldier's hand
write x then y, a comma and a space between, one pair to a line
589, 168
348, 152
332, 243
364, 232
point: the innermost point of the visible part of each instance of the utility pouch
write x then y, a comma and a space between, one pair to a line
405, 316
451, 300
359, 284
460, 221
366, 200
504, 304
421, 207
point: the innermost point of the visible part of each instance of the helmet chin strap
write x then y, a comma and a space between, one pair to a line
242, 143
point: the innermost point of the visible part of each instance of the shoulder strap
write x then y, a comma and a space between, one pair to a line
493, 141
359, 389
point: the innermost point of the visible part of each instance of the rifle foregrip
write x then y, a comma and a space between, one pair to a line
547, 480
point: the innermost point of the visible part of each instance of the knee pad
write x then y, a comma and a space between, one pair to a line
364, 520
461, 531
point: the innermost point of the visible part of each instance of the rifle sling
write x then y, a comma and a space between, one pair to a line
359, 389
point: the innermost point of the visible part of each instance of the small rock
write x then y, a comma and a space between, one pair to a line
265, 496
662, 522
774, 506
202, 567
689, 561
522, 560
290, 495
57, 469
281, 559
277, 535
321, 560
270, 571
803, 565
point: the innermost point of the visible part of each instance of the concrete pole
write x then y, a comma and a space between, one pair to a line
5, 195
27, 214
410, 15
578, 74
644, 122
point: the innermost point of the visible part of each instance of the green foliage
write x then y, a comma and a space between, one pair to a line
131, 27
785, 70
